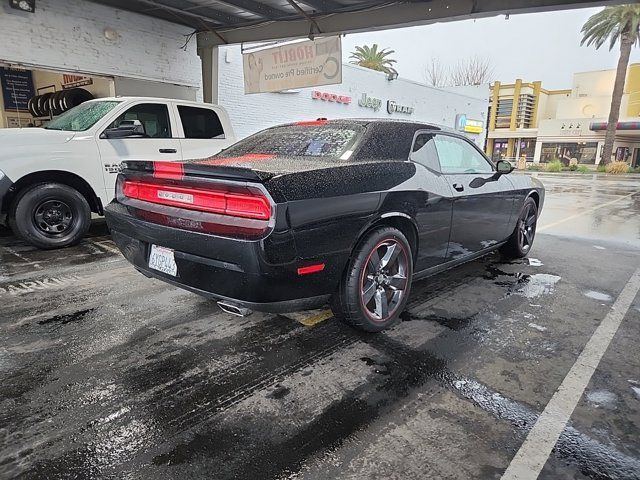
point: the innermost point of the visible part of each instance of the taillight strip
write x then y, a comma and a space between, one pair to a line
168, 170
233, 204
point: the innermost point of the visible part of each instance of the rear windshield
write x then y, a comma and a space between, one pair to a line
298, 141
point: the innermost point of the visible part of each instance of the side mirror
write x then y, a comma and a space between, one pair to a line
503, 167
127, 129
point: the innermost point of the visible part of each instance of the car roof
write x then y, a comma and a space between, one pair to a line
370, 121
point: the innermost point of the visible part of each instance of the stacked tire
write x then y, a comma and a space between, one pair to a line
55, 103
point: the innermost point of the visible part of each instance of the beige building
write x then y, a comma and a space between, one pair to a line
526, 120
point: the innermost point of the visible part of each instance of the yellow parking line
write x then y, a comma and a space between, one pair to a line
317, 318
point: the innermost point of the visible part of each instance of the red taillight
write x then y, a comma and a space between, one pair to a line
168, 170
245, 205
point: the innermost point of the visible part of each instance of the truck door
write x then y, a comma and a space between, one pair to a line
157, 143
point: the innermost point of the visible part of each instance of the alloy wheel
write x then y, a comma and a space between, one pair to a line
384, 280
527, 227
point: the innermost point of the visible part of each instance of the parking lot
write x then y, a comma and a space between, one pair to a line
106, 373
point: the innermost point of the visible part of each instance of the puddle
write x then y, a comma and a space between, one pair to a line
380, 368
538, 284
600, 296
602, 398
636, 390
534, 262
599, 247
540, 328
279, 392
67, 318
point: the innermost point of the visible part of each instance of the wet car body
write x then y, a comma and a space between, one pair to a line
321, 207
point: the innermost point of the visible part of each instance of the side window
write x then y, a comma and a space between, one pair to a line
423, 151
458, 156
154, 117
200, 122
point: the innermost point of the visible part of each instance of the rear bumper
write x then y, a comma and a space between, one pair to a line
260, 275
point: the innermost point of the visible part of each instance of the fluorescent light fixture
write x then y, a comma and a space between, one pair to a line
24, 5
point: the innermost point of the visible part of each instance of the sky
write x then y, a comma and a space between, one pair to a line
535, 46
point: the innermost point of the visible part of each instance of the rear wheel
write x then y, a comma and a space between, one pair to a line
521, 240
376, 285
50, 215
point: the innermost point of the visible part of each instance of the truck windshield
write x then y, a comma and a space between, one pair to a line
82, 117
297, 141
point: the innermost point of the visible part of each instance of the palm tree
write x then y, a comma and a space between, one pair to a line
621, 23
374, 59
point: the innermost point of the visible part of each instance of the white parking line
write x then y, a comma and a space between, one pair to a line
533, 454
584, 212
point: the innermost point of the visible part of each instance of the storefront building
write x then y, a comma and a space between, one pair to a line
94, 50
529, 122
363, 93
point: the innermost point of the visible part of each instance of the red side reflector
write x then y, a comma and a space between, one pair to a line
168, 170
312, 123
243, 205
318, 267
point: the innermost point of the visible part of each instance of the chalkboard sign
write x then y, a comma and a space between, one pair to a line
17, 89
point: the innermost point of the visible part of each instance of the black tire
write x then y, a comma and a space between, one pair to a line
521, 240
50, 215
367, 277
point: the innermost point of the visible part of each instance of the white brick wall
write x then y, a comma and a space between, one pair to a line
69, 35
250, 113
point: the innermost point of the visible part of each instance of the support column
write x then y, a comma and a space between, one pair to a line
209, 58
489, 149
510, 145
516, 105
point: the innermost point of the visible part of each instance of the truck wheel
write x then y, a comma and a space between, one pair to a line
521, 240
50, 215
377, 282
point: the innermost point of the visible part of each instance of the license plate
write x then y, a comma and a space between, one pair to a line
162, 259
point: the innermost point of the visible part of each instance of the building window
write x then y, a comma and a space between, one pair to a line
526, 105
565, 152
500, 146
503, 112
527, 148
623, 154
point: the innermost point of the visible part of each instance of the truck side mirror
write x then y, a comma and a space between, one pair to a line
126, 129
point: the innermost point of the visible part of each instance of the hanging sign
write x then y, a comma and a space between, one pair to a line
295, 65
73, 81
17, 89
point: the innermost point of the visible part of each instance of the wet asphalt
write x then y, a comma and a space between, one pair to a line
107, 374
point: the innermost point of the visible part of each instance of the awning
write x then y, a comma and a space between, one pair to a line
599, 126
237, 21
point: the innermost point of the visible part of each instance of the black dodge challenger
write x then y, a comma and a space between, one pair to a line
345, 211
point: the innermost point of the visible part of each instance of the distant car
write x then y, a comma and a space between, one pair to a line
345, 211
52, 178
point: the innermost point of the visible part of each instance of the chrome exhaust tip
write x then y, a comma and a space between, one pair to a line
234, 309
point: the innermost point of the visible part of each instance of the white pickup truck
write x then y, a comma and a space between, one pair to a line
52, 178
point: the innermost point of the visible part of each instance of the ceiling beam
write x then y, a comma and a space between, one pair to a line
211, 19
323, 5
257, 8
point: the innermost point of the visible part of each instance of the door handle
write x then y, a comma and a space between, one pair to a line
458, 187
168, 150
